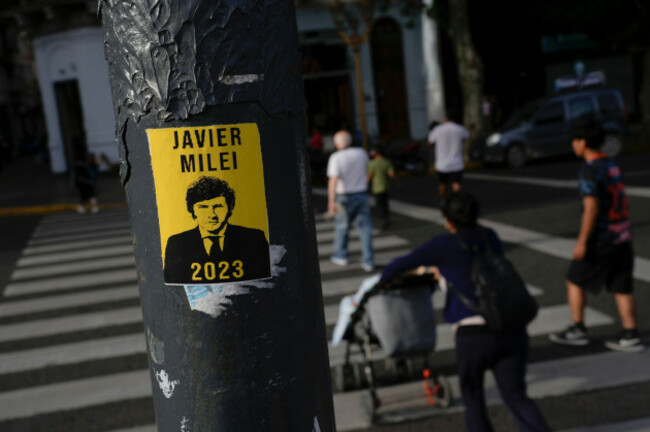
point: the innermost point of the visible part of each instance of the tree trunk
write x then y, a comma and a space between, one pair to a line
470, 65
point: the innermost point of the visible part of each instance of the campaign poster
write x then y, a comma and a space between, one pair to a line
209, 184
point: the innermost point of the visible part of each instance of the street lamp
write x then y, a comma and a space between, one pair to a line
342, 15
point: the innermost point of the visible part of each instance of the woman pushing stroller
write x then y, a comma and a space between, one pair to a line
478, 348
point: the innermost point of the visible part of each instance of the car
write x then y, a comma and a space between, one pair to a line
543, 128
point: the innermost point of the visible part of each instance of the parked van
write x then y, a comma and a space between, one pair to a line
543, 128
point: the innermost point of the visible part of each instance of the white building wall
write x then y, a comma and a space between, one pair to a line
368, 84
314, 19
414, 74
79, 54
415, 82
76, 54
320, 19
423, 84
96, 97
46, 57
435, 96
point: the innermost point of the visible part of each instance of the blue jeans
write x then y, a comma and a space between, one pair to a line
353, 208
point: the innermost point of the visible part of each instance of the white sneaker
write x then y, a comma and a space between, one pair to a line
339, 261
81, 209
573, 335
94, 209
626, 341
367, 267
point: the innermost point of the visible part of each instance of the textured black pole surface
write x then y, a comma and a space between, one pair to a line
254, 356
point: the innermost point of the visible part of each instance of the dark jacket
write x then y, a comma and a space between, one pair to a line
455, 264
245, 256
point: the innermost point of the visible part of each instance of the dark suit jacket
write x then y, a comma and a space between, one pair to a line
186, 258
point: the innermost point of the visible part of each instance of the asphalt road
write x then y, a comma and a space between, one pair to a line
522, 198
539, 198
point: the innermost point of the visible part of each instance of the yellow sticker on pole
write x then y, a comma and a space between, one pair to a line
211, 204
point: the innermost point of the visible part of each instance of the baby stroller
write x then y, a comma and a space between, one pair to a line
397, 316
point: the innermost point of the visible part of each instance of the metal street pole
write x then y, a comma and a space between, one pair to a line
341, 17
210, 112
356, 48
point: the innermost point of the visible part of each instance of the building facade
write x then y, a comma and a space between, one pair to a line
401, 81
76, 96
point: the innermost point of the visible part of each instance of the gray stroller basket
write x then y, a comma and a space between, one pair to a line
399, 317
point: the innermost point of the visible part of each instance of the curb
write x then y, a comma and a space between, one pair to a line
51, 208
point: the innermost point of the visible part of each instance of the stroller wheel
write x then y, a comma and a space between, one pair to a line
344, 377
442, 393
437, 390
369, 404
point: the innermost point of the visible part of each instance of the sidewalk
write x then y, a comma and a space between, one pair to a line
29, 187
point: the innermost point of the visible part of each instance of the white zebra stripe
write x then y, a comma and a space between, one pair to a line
76, 237
64, 268
52, 303
549, 320
381, 259
438, 301
355, 246
68, 324
79, 246
57, 230
67, 354
74, 394
69, 282
84, 254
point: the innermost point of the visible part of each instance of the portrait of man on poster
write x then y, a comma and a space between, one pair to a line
215, 250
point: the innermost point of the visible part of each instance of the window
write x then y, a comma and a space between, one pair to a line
580, 106
609, 104
551, 113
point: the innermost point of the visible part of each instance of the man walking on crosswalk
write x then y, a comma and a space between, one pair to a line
603, 255
348, 200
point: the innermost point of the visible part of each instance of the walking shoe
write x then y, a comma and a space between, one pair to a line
367, 267
574, 335
81, 209
627, 341
339, 261
94, 209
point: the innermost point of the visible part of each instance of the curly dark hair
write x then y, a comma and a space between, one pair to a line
461, 209
588, 128
207, 188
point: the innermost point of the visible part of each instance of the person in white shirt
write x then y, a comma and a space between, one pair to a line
348, 201
448, 140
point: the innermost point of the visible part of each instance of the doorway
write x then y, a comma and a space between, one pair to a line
388, 68
327, 88
71, 121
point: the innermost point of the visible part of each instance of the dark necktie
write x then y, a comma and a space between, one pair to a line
216, 245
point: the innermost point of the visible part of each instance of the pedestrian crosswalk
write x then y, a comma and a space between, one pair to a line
63, 301
72, 303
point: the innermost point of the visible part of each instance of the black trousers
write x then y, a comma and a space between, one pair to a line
381, 208
479, 349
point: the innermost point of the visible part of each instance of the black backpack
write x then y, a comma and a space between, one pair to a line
502, 297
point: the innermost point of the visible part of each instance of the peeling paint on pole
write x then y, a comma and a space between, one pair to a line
172, 58
214, 299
